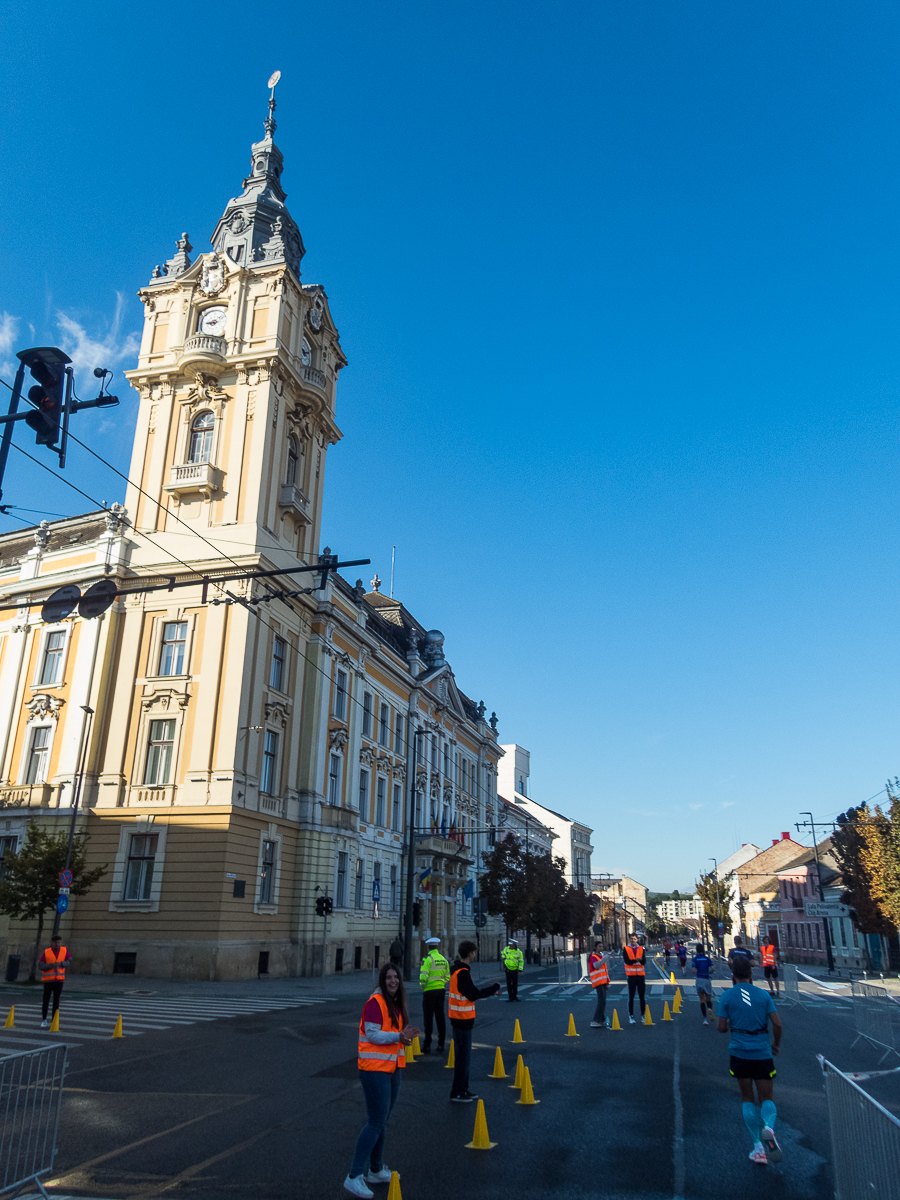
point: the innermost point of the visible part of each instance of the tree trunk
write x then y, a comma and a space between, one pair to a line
37, 942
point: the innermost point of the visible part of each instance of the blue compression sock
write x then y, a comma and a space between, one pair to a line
752, 1120
769, 1112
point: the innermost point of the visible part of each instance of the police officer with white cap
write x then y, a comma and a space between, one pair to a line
514, 962
434, 977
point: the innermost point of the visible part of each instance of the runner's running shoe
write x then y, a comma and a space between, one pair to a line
758, 1155
770, 1145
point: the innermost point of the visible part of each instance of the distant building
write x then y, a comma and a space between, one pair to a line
622, 910
751, 889
677, 910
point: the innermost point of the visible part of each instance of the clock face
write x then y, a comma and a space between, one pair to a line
305, 353
212, 321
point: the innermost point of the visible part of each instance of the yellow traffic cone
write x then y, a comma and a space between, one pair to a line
450, 1064
667, 1016
480, 1139
676, 1003
54, 1024
573, 1032
416, 1048
671, 977
499, 1072
517, 1036
11, 1019
527, 1096
648, 1020
614, 1024
408, 1054
394, 1189
117, 1032
520, 1074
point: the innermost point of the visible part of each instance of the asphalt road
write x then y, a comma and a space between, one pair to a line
268, 1105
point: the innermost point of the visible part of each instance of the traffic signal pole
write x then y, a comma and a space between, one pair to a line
11, 416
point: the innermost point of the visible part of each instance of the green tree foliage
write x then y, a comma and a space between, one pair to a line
715, 895
30, 884
855, 849
880, 857
575, 915
525, 889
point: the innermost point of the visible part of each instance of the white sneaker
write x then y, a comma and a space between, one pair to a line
357, 1186
44, 1024
756, 1155
382, 1176
705, 1022
770, 1145
631, 1020
597, 1025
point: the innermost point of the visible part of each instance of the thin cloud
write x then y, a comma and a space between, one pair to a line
694, 807
728, 803
9, 327
88, 351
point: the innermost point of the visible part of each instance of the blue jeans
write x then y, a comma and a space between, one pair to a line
381, 1090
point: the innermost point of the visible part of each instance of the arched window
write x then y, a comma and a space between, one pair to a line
201, 437
293, 459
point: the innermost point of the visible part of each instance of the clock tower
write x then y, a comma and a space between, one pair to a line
237, 375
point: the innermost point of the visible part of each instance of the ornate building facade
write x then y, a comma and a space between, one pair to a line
249, 745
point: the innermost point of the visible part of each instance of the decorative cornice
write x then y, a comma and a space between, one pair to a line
43, 705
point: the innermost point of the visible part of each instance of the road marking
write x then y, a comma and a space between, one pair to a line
678, 1131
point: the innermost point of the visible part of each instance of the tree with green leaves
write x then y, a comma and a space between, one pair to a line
880, 858
503, 884
30, 885
715, 894
576, 914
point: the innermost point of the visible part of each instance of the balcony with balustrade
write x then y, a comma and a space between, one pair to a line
193, 477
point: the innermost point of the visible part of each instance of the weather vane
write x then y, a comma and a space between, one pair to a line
270, 119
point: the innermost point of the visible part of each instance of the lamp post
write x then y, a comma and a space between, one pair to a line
411, 764
828, 949
76, 795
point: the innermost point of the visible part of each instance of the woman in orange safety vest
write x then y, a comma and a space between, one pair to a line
384, 1031
598, 973
53, 975
770, 967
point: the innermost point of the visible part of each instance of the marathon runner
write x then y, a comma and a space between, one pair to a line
703, 968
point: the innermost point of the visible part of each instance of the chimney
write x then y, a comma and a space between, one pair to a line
774, 841
785, 837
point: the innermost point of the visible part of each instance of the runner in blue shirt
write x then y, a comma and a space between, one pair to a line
703, 969
745, 1012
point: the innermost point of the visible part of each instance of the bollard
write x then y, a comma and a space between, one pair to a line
573, 1032
450, 1064
648, 1020
614, 1024
117, 1032
499, 1072
520, 1074
517, 1036
527, 1096
11, 1019
394, 1189
54, 1024
667, 1016
480, 1139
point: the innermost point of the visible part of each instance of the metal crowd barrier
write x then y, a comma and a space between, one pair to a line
874, 1010
865, 1140
30, 1095
790, 983
572, 968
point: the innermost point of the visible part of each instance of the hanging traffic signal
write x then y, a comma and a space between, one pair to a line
48, 366
320, 906
329, 906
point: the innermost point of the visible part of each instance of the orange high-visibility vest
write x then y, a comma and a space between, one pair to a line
55, 965
634, 960
459, 1007
598, 971
372, 1057
768, 955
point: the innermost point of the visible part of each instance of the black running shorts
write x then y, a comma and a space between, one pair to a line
770, 972
752, 1068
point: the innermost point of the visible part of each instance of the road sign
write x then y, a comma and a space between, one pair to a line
376, 891
65, 878
62, 904
58, 606
64, 891
826, 908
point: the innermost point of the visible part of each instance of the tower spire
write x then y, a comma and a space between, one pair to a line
270, 119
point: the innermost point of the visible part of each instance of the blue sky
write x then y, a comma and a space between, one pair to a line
617, 283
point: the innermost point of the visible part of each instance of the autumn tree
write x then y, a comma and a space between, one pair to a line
880, 857
30, 885
854, 847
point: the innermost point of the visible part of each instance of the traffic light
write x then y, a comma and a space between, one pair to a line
329, 906
492, 836
320, 906
417, 912
48, 367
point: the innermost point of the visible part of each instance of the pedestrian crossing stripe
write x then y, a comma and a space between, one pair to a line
93, 1020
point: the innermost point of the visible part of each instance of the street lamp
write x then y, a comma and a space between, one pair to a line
828, 949
411, 764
